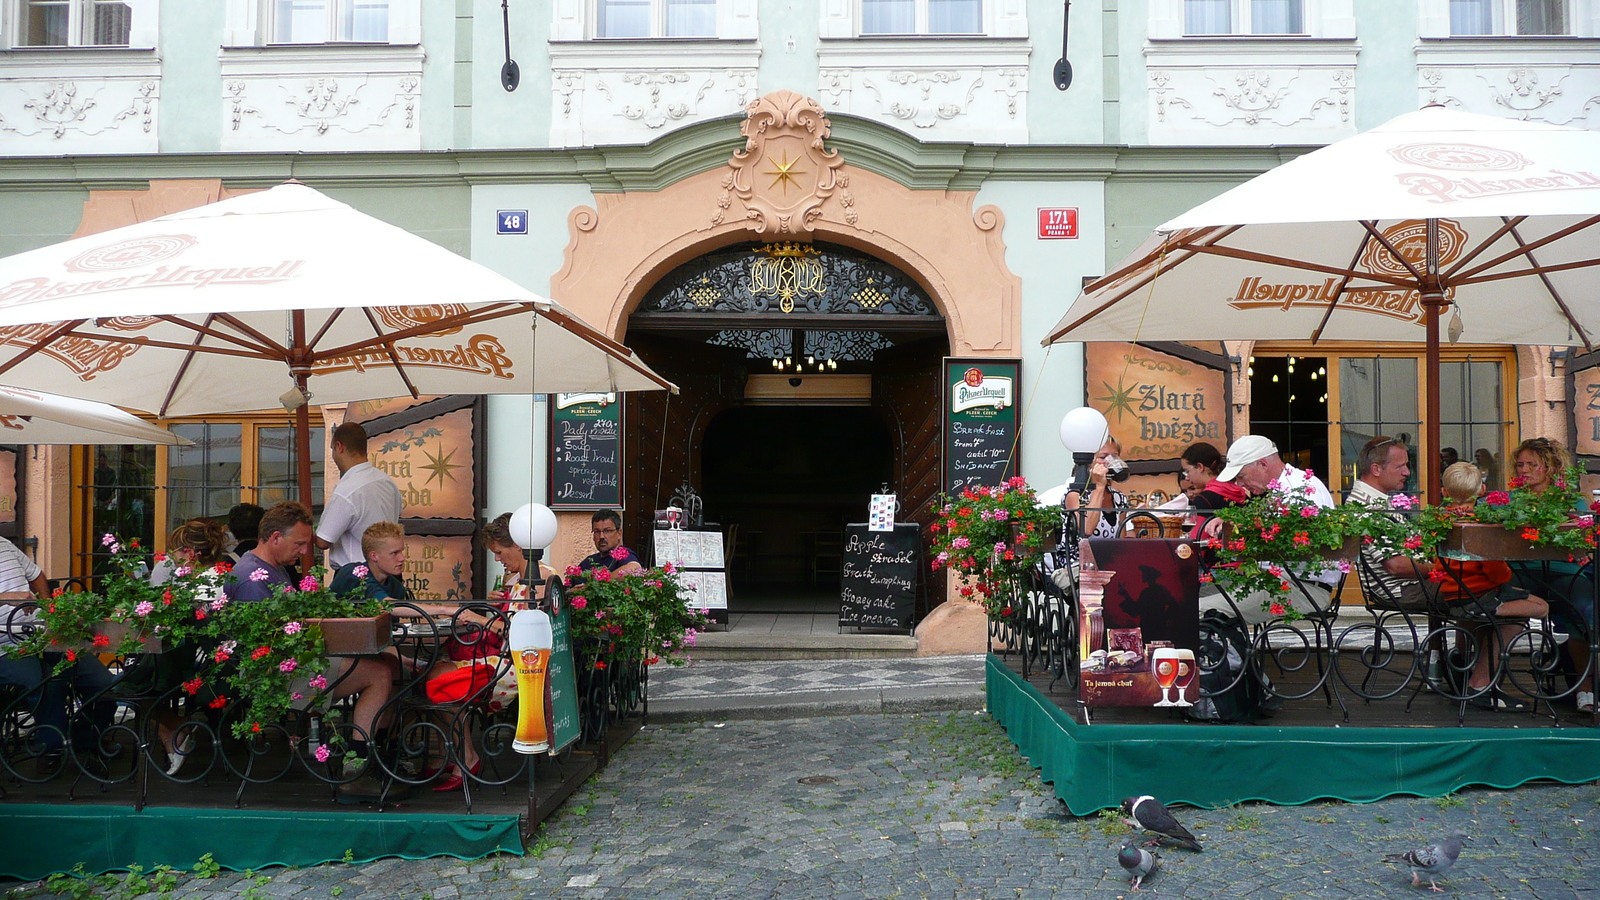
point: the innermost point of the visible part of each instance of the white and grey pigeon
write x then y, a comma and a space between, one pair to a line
1146, 812
1139, 862
1434, 860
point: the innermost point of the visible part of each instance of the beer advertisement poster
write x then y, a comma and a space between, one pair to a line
1139, 622
586, 451
981, 416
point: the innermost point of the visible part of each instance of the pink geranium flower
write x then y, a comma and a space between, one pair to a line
579, 602
260, 575
360, 571
318, 682
288, 665
144, 608
619, 553
322, 753
602, 574
309, 583
292, 628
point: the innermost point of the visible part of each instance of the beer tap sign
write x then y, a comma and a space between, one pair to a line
531, 643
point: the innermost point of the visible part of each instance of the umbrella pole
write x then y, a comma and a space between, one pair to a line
1433, 304
302, 421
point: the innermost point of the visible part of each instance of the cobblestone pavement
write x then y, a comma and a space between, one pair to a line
750, 678
941, 806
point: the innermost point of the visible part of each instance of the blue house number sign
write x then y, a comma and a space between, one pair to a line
511, 221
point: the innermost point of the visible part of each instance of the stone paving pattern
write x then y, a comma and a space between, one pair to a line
750, 678
941, 806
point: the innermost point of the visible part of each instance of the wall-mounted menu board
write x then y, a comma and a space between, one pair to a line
586, 451
878, 576
980, 421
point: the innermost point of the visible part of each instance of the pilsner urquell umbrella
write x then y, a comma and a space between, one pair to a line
32, 417
265, 298
1495, 222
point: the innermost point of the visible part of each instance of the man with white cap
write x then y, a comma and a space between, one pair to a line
1254, 464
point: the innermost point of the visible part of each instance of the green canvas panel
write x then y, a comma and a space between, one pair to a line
1094, 766
36, 841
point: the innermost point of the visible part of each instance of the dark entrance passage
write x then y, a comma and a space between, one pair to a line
788, 478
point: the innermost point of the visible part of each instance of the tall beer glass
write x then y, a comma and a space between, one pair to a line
1186, 675
531, 641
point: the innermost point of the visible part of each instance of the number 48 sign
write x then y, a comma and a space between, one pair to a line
511, 221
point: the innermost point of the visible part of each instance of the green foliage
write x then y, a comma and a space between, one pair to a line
991, 537
1547, 518
207, 867
629, 617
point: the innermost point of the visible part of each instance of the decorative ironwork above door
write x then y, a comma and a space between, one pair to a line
788, 279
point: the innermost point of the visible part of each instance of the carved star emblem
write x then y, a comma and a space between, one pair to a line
440, 467
784, 173
1119, 400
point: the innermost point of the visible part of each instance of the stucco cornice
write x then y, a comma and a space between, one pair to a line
655, 166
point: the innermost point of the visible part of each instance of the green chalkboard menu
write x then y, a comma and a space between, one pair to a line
980, 421
561, 678
586, 451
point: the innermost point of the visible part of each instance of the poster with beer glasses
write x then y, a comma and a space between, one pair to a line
1139, 609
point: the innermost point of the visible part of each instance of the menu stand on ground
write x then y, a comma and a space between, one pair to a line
879, 575
702, 568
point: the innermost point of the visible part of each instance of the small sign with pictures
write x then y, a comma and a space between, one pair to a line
511, 221
880, 512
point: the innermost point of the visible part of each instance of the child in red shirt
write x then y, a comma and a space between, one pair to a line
1470, 586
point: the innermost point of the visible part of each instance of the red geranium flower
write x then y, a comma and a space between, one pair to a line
1497, 498
101, 640
1277, 609
219, 702
193, 685
1530, 534
259, 652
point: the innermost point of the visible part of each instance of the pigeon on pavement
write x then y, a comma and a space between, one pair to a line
1139, 862
1147, 812
1434, 860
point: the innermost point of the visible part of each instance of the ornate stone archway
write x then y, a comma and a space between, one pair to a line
785, 184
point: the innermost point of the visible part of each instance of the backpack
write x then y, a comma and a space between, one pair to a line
1228, 694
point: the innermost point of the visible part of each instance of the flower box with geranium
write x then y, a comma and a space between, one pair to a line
1266, 539
631, 617
990, 538
1518, 524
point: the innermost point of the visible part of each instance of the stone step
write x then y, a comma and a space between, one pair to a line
755, 645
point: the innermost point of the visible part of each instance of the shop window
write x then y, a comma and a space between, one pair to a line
1225, 17
1289, 405
1470, 18
277, 478
330, 21
203, 479
74, 23
1473, 424
121, 485
1377, 396
883, 17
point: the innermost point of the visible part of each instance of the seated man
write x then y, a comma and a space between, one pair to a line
87, 675
609, 553
1254, 464
284, 535
1398, 582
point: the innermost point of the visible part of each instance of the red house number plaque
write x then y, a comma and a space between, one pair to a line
1055, 224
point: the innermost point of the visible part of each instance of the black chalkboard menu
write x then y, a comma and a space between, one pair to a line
980, 422
878, 578
586, 451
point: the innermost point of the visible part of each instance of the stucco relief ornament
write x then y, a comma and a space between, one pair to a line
784, 173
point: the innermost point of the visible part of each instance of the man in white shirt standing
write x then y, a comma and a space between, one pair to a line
363, 497
1254, 464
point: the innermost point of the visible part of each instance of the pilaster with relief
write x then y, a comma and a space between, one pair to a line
322, 98
938, 89
1542, 79
632, 92
1251, 91
79, 101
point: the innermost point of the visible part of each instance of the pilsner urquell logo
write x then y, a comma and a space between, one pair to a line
1409, 238
976, 389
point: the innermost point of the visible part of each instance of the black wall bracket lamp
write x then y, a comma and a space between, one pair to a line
510, 73
1063, 70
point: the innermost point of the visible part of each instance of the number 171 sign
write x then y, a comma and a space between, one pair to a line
1057, 224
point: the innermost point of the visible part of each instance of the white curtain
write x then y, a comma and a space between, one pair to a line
302, 22
364, 20
1469, 17
622, 18
955, 16
691, 18
1207, 17
888, 16
1276, 17
112, 21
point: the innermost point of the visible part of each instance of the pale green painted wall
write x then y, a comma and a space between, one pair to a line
1386, 69
1051, 271
783, 67
30, 219
520, 118
438, 213
1073, 116
191, 76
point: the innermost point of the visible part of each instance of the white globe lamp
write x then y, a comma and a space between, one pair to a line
533, 526
1083, 431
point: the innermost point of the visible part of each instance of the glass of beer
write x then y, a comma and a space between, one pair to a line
1186, 676
1164, 665
530, 653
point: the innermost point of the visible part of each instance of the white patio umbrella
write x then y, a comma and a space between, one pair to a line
1376, 238
32, 417
230, 306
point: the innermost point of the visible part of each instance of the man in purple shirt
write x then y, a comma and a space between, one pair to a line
286, 534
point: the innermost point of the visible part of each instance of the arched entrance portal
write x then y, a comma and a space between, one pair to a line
809, 377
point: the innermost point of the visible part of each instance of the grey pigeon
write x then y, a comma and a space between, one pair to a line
1139, 862
1147, 812
1434, 860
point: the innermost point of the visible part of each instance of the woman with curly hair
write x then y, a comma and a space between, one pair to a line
1567, 586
